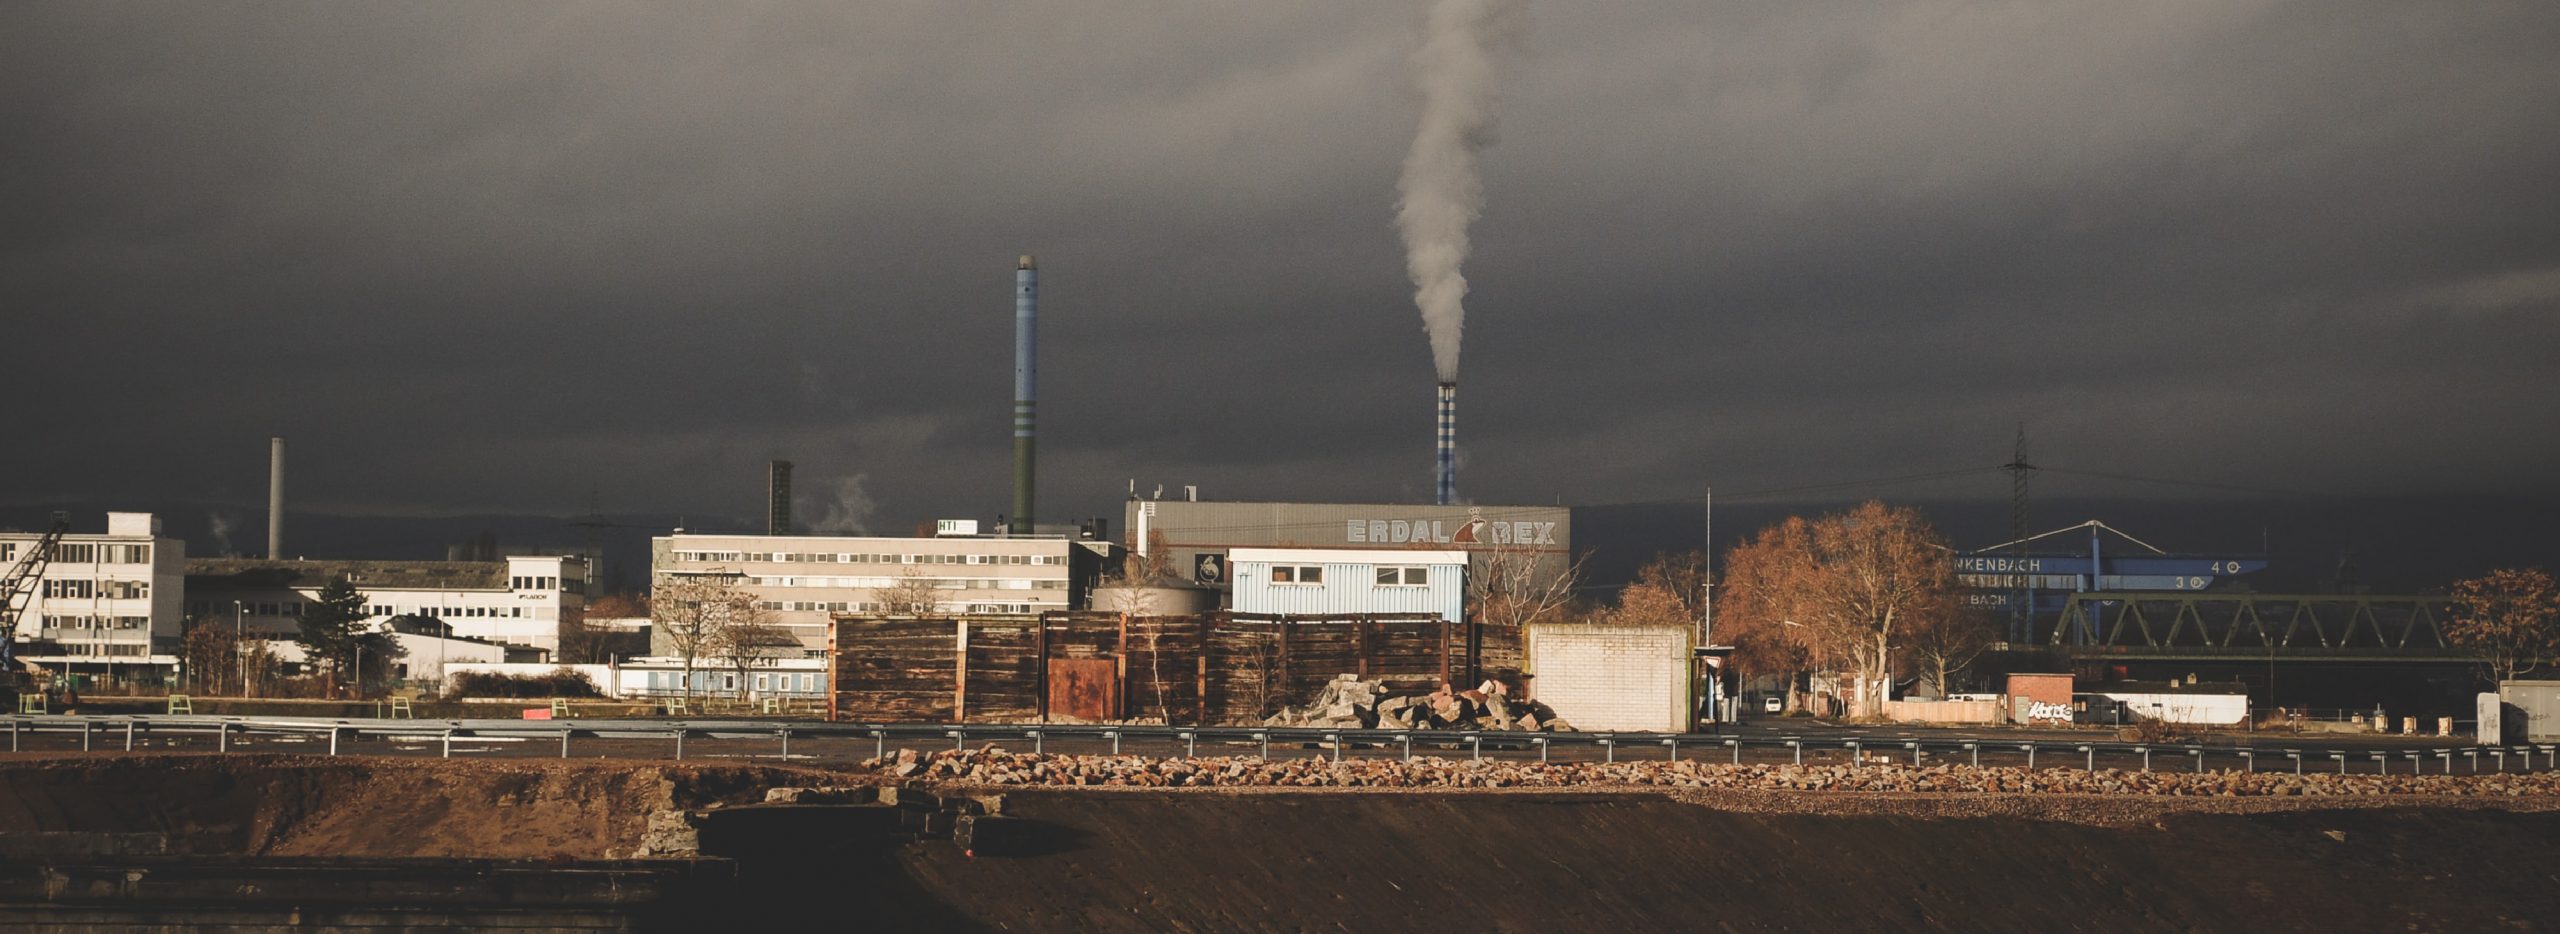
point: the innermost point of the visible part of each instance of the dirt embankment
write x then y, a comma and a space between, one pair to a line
1139, 859
257, 805
1637, 861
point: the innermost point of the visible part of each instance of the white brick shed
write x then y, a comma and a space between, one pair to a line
1603, 677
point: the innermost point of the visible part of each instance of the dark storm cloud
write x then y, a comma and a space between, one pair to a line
496, 256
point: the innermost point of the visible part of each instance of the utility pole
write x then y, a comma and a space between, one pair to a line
2021, 608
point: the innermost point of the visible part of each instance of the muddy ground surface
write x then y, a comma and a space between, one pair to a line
256, 805
1593, 858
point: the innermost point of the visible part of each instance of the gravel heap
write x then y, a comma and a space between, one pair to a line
995, 766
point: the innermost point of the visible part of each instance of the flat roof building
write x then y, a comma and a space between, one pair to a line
522, 601
802, 581
105, 600
1200, 535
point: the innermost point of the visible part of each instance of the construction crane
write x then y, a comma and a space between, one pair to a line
18, 590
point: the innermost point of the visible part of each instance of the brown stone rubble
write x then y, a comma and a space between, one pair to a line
995, 766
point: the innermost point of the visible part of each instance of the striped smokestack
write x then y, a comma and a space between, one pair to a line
1026, 369
777, 498
275, 498
1448, 444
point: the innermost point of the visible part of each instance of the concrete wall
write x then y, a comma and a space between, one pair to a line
1600, 677
1904, 711
2198, 709
2539, 704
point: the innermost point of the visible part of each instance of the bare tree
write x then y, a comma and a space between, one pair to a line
1510, 584
2510, 617
1759, 617
211, 652
1850, 586
1945, 644
913, 594
752, 642
1133, 584
692, 611
1669, 590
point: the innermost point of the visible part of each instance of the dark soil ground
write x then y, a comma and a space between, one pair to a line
1214, 860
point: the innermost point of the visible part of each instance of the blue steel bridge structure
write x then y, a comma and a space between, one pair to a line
2092, 592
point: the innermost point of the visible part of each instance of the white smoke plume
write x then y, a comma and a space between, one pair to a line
221, 526
1440, 192
850, 512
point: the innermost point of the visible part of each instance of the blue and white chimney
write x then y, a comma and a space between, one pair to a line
1026, 370
1448, 444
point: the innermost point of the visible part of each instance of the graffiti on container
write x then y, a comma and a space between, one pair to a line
2042, 710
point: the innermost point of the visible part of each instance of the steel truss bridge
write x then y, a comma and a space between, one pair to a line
2298, 627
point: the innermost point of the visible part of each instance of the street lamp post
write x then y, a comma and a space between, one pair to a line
239, 662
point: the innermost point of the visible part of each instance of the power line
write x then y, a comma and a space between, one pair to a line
1776, 492
2198, 484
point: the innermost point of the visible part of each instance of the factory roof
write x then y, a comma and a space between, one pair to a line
371, 575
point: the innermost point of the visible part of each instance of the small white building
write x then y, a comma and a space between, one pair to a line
107, 604
521, 601
796, 679
1336, 582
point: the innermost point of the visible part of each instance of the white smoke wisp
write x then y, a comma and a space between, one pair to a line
1440, 192
850, 512
221, 526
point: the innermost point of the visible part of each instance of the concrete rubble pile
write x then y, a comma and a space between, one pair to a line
1349, 703
995, 766
906, 812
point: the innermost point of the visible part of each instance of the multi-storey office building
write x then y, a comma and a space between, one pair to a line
519, 601
802, 581
107, 604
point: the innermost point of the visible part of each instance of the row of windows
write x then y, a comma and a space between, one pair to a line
294, 608
669, 682
451, 612
204, 608
87, 553
85, 589
941, 583
1404, 577
1297, 574
97, 622
800, 558
851, 606
105, 648
1387, 576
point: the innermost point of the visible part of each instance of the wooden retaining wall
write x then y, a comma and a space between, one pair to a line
1186, 670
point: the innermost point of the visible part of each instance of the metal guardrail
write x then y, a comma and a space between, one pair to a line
128, 729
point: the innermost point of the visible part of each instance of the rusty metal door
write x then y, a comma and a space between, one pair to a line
1084, 688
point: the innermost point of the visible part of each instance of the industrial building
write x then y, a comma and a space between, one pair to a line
103, 603
1338, 581
1201, 535
521, 601
802, 581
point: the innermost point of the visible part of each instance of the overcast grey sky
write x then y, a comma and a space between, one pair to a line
492, 256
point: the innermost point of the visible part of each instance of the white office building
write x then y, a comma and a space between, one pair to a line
522, 601
107, 604
802, 581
